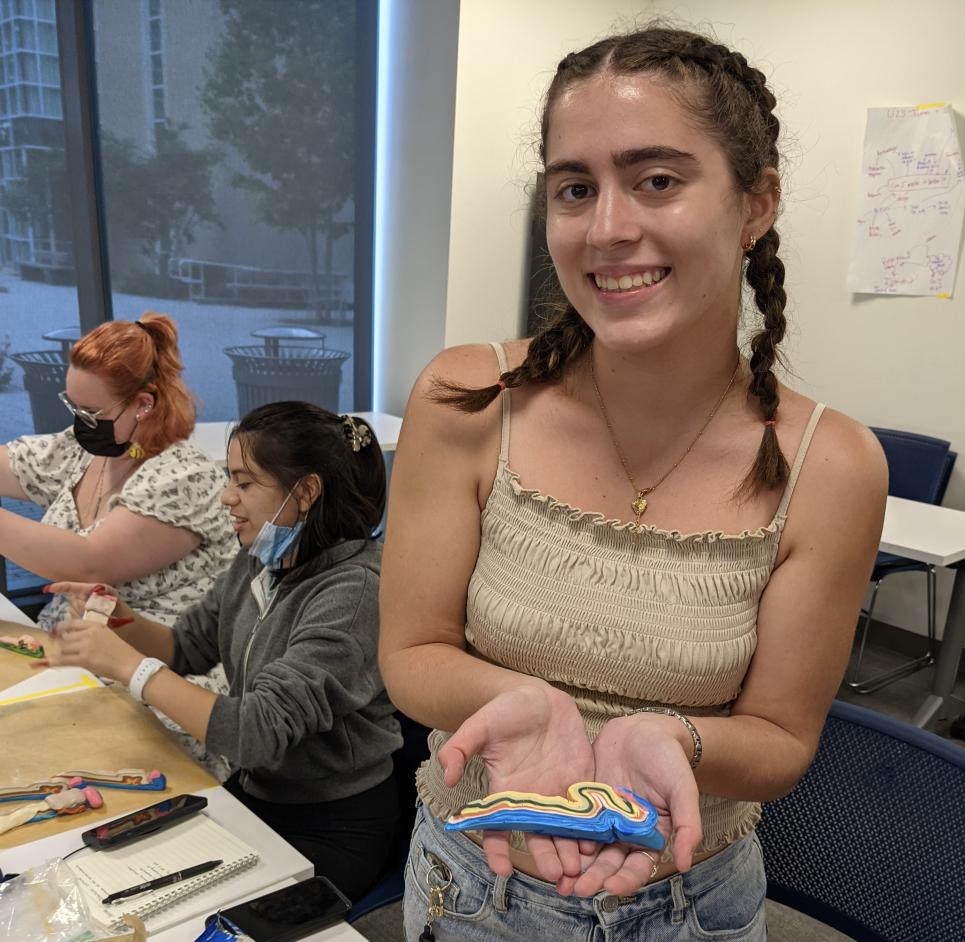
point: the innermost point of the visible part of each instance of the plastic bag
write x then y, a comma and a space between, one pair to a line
46, 904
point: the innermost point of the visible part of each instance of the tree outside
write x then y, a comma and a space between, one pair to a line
155, 201
280, 92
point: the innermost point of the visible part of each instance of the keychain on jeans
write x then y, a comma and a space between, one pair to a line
437, 896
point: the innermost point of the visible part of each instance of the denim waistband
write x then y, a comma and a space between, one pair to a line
669, 892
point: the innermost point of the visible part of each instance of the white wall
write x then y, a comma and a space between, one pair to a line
894, 362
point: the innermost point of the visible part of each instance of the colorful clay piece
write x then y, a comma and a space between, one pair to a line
99, 606
69, 801
128, 779
26, 645
592, 811
32, 792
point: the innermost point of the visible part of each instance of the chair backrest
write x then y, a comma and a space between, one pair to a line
946, 475
391, 885
919, 466
872, 839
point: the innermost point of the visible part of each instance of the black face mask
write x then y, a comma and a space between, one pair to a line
99, 441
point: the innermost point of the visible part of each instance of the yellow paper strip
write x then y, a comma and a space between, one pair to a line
934, 104
85, 683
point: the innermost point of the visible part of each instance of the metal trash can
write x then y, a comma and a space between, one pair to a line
44, 375
311, 374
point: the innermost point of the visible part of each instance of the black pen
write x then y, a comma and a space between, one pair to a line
158, 882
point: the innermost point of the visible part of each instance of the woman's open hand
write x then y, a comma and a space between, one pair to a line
643, 753
532, 740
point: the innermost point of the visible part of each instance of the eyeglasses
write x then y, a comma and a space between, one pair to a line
86, 416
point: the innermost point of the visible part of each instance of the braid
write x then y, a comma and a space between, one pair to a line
765, 275
558, 344
731, 100
710, 56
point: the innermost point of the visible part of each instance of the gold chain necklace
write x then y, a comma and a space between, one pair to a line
98, 495
639, 502
100, 491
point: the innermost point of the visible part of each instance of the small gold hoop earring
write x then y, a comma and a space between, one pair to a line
748, 246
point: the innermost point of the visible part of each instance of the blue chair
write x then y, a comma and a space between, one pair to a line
918, 469
872, 840
391, 885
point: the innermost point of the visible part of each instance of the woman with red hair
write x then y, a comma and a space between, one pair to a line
127, 500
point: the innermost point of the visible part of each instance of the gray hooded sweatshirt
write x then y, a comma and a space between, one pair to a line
306, 717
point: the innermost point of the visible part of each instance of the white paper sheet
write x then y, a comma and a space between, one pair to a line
48, 683
909, 224
9, 612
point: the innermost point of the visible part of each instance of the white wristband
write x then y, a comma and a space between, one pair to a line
142, 674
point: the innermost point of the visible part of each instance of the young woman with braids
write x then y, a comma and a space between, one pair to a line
595, 568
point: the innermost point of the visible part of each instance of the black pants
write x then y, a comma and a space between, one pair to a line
348, 840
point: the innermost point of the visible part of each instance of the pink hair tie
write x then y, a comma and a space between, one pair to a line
501, 384
770, 423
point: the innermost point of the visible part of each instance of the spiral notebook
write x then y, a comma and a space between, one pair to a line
183, 845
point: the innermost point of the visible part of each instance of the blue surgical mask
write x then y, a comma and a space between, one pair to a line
274, 542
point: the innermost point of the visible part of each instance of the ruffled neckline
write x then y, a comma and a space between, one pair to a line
598, 519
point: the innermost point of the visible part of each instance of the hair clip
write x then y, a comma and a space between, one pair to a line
357, 434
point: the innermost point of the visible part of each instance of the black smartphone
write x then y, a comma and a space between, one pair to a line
289, 913
145, 821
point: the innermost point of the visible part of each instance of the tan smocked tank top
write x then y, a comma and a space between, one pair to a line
616, 619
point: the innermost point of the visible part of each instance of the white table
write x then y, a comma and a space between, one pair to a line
936, 535
279, 865
212, 437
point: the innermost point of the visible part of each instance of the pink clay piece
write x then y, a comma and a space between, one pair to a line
93, 797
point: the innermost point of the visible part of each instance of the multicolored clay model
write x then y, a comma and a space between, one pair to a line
129, 779
33, 791
591, 811
69, 801
25, 644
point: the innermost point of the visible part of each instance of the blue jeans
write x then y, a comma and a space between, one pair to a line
721, 898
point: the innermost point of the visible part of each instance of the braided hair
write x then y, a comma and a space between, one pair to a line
732, 102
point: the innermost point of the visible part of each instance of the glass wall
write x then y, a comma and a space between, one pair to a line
228, 145
38, 301
231, 167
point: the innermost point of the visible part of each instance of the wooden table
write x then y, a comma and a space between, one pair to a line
104, 728
91, 729
936, 535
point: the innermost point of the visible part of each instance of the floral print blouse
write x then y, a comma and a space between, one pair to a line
180, 487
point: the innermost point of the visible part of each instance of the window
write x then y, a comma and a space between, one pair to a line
228, 202
36, 252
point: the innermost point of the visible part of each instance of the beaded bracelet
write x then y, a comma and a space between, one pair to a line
667, 711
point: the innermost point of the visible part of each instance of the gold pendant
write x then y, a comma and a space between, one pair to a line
639, 506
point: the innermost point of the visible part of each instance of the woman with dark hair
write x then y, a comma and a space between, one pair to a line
306, 720
126, 499
621, 550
